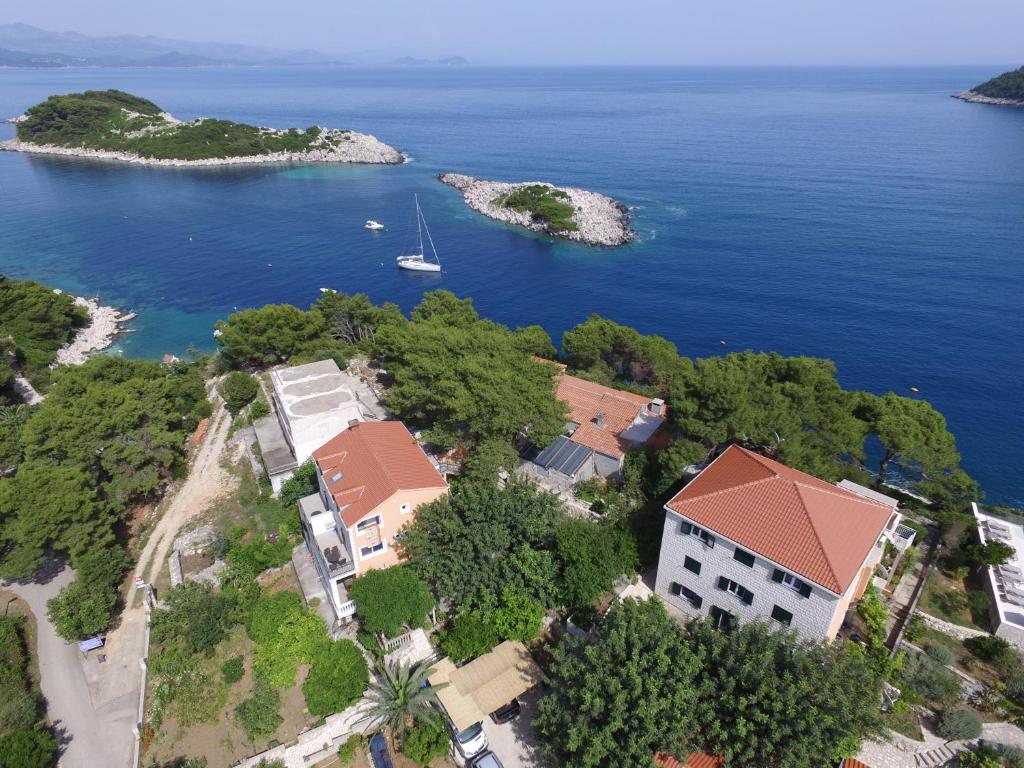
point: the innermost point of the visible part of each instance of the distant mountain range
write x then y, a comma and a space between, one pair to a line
22, 45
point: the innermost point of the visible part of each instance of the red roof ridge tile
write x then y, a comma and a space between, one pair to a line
817, 534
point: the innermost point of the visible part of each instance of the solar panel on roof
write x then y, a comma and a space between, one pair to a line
563, 455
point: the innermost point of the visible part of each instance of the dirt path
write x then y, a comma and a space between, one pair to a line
120, 677
207, 481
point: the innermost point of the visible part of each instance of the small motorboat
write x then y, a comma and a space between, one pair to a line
371, 224
417, 262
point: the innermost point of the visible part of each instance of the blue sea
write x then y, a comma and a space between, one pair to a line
855, 214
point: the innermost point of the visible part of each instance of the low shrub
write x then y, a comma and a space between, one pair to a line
425, 741
258, 409
338, 677
940, 654
915, 628
995, 650
353, 746
932, 681
238, 390
258, 715
233, 669
959, 724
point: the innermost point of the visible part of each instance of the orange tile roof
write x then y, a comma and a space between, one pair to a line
853, 763
812, 528
696, 760
376, 459
587, 399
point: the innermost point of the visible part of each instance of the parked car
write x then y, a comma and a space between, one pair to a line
487, 760
507, 713
471, 741
379, 752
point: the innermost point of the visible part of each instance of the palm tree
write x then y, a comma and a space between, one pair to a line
399, 696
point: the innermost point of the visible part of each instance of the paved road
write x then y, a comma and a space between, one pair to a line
94, 736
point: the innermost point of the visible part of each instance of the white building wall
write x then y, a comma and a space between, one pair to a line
812, 616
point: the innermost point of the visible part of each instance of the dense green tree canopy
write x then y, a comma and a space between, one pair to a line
915, 438
766, 700
627, 695
238, 390
466, 379
337, 679
481, 539
611, 353
389, 598
34, 323
195, 617
592, 556
109, 433
115, 120
269, 335
355, 319
1009, 85
794, 404
24, 741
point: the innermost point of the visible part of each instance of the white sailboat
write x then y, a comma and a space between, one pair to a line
417, 262
371, 224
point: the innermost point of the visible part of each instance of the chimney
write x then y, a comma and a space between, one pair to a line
599, 419
657, 406
353, 422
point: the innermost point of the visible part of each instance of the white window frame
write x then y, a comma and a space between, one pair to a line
363, 525
792, 582
374, 551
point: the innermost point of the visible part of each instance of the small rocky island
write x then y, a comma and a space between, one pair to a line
1005, 90
564, 212
116, 125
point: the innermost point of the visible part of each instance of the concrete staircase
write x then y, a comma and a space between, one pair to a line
942, 755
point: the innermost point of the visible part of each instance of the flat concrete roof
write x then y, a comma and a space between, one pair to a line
868, 493
277, 456
1007, 580
316, 402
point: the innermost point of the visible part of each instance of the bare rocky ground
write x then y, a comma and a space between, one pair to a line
977, 98
599, 219
352, 148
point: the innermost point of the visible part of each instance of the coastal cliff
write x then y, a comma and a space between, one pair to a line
569, 213
113, 125
1005, 90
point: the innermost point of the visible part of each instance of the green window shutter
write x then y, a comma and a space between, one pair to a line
747, 597
742, 556
685, 529
692, 565
782, 616
805, 590
723, 583
777, 576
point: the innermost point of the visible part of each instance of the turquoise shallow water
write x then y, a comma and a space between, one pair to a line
860, 215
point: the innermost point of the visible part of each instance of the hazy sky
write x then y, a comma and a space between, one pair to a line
577, 31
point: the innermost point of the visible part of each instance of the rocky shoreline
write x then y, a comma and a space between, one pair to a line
978, 98
599, 219
351, 147
104, 325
